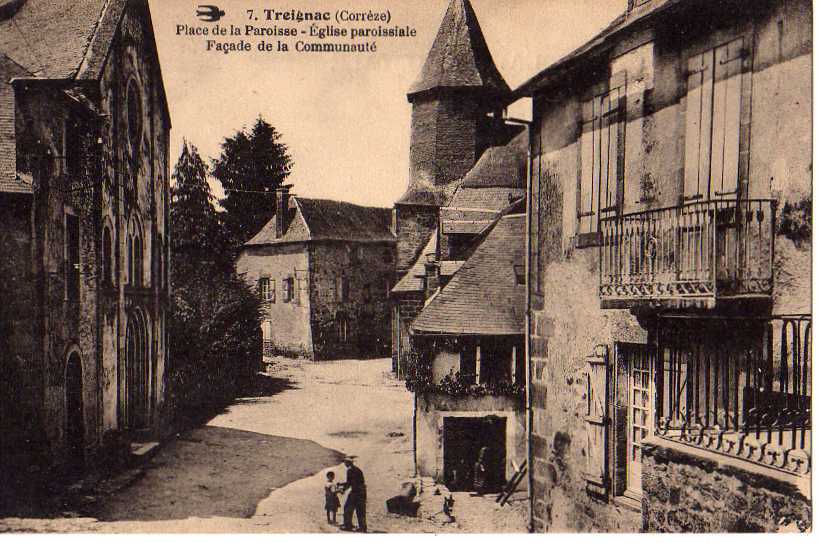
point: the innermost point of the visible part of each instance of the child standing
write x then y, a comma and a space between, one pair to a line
331, 502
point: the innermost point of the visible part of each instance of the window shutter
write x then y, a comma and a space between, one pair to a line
586, 207
597, 420
698, 114
726, 119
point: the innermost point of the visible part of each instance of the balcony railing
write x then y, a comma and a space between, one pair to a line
700, 251
740, 387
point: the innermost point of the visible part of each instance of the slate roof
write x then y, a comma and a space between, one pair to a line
316, 220
501, 166
628, 19
51, 38
413, 280
483, 297
459, 56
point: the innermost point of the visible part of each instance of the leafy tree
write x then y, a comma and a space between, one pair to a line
251, 167
215, 317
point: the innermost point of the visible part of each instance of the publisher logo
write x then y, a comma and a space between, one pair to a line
210, 14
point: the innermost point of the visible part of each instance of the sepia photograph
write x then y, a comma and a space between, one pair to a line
400, 267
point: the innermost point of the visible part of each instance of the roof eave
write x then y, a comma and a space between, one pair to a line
554, 73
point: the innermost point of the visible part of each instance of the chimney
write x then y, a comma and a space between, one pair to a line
432, 279
282, 209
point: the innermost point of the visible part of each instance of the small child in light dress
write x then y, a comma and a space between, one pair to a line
331, 501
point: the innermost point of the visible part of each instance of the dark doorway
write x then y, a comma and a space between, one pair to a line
464, 437
74, 424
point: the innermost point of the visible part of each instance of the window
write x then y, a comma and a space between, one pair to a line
287, 290
72, 258
387, 256
264, 289
714, 109
135, 263
342, 288
602, 148
134, 111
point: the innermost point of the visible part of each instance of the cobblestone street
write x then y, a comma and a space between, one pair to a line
259, 466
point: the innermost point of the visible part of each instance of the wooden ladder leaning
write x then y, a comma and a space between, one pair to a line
512, 485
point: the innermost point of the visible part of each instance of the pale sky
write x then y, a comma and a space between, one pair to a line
345, 117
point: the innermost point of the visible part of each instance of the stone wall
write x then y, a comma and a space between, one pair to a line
369, 269
687, 490
448, 135
415, 225
406, 307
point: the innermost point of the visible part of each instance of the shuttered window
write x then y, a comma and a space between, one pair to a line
713, 115
602, 157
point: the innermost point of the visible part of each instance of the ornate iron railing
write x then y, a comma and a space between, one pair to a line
739, 386
697, 250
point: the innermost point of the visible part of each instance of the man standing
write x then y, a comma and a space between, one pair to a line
356, 499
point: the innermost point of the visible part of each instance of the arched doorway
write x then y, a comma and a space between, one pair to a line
74, 420
137, 373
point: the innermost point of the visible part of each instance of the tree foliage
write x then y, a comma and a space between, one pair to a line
252, 165
215, 317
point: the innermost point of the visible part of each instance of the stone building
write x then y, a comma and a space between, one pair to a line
669, 272
458, 306
324, 270
469, 377
457, 105
84, 130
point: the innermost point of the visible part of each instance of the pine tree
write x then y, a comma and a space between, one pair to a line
251, 167
198, 238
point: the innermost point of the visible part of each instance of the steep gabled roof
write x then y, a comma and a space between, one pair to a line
316, 220
51, 39
484, 297
459, 57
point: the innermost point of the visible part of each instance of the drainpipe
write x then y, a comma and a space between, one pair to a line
527, 354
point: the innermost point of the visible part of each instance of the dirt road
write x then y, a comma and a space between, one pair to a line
260, 465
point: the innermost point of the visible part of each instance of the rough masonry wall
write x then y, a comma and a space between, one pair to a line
445, 139
64, 326
415, 225
369, 269
290, 331
705, 493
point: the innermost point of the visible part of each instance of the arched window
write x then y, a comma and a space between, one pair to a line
136, 264
134, 111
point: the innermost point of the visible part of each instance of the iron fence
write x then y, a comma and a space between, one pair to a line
737, 386
700, 249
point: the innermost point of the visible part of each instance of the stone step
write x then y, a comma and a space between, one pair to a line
143, 451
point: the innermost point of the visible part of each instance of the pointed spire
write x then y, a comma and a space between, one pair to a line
459, 57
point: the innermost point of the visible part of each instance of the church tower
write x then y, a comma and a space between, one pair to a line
458, 88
